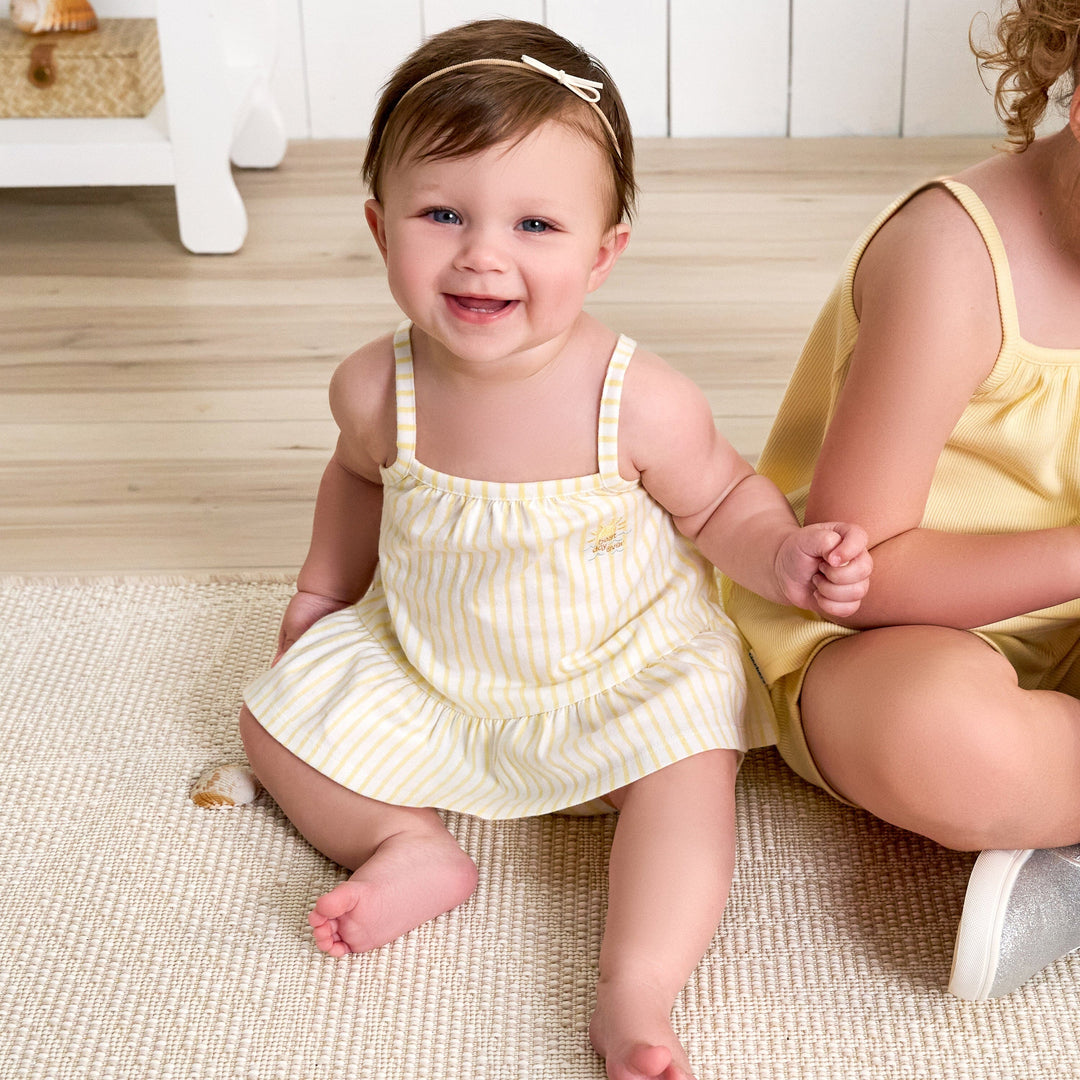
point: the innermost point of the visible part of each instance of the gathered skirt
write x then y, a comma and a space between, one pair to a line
345, 700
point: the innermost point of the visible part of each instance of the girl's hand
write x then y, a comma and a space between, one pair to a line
304, 610
825, 568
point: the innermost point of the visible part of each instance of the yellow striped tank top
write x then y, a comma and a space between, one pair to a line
525, 647
1012, 463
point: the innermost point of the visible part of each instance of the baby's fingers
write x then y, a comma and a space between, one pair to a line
839, 599
853, 541
848, 572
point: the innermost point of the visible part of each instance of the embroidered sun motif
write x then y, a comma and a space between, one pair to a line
608, 538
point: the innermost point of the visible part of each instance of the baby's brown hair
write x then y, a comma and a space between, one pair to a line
1038, 45
464, 111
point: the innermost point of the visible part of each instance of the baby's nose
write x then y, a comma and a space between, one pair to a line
482, 250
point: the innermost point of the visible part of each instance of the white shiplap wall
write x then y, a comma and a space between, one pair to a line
685, 67
729, 67
847, 67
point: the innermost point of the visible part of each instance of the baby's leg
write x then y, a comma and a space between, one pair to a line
671, 864
407, 867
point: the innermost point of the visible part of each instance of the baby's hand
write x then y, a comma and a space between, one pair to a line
304, 610
825, 568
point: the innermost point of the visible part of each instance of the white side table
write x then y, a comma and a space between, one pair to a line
216, 58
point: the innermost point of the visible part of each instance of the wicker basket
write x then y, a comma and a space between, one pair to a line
112, 71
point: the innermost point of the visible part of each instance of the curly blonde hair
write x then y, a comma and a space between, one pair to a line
1038, 46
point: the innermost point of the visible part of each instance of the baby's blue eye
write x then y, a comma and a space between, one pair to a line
534, 225
445, 217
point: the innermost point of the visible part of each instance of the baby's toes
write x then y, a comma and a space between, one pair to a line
324, 935
337, 902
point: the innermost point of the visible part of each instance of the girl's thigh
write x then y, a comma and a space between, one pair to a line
927, 728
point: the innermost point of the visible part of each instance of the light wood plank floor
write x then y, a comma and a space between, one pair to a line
161, 411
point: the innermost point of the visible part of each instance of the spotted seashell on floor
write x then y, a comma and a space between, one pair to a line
43, 16
225, 786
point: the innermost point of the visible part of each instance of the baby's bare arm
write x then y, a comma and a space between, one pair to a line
345, 534
344, 546
739, 520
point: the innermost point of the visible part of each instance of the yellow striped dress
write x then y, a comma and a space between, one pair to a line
1011, 464
524, 648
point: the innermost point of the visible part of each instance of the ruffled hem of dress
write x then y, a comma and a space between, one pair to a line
341, 703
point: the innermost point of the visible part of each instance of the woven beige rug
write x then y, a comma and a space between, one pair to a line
142, 937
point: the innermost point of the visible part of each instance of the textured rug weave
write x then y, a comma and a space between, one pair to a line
142, 937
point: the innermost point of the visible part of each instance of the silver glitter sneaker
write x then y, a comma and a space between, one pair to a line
1021, 913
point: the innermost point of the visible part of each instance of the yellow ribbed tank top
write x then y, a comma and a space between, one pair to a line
525, 647
1012, 463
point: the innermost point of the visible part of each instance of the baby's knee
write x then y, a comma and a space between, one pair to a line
252, 733
465, 877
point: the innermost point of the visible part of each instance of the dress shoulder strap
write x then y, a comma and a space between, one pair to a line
980, 216
607, 438
405, 393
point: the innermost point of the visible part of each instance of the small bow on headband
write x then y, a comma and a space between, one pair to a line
584, 88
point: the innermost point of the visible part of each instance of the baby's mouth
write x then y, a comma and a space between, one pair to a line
481, 305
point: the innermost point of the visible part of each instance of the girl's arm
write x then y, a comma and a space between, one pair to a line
966, 580
929, 335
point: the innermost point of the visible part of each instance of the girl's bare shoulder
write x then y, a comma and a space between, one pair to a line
927, 272
930, 240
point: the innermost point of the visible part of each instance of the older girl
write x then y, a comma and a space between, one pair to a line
938, 402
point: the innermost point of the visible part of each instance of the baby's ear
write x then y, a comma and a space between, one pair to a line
376, 219
612, 246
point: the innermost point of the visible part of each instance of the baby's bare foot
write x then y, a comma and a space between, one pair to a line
408, 881
338, 921
632, 1032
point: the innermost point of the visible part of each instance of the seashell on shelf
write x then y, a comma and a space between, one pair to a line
43, 16
225, 786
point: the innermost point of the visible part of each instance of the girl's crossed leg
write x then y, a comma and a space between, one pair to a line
670, 871
407, 868
927, 728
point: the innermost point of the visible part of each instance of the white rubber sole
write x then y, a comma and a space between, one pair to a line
978, 939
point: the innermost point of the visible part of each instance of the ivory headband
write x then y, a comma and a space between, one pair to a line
585, 89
